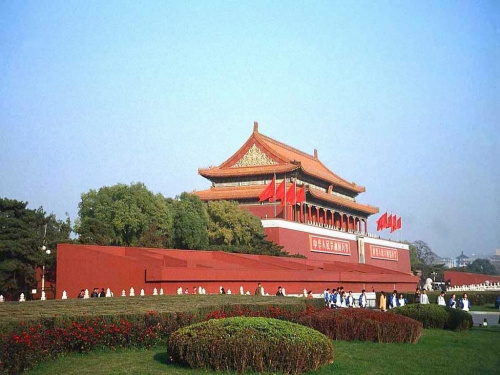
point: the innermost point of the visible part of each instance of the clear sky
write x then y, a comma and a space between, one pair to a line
402, 97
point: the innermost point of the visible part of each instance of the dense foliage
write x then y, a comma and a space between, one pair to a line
124, 215
363, 325
250, 344
22, 233
131, 215
435, 316
31, 341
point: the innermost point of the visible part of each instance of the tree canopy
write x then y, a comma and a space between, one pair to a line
483, 266
131, 215
190, 223
124, 215
22, 233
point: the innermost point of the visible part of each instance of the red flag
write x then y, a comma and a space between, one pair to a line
394, 224
280, 192
268, 192
389, 222
399, 224
382, 222
290, 195
301, 194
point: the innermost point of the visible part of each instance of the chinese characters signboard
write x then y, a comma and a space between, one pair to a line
328, 245
384, 253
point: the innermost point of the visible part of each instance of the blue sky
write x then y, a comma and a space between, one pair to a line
401, 97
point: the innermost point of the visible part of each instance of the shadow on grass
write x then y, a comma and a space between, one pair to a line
163, 359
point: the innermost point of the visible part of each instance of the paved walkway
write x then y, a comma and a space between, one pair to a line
492, 317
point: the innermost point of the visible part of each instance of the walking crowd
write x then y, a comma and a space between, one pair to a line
422, 298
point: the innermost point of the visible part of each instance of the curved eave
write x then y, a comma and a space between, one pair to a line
370, 210
247, 171
338, 182
230, 193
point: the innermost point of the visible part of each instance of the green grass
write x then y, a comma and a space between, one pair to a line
487, 308
13, 312
442, 352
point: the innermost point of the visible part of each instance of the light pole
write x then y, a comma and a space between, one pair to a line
47, 252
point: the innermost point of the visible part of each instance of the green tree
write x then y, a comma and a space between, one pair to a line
190, 222
124, 215
230, 225
424, 252
483, 266
235, 230
415, 262
22, 234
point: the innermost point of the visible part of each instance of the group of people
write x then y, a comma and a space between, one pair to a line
95, 293
395, 300
339, 298
422, 298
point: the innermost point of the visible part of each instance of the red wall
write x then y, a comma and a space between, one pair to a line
297, 242
120, 268
463, 278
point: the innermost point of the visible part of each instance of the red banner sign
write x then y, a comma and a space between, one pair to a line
384, 253
328, 245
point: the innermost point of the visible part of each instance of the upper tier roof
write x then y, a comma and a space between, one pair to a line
261, 155
253, 192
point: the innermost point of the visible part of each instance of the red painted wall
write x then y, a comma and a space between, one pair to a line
296, 242
120, 268
464, 278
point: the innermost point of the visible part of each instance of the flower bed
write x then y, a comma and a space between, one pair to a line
250, 344
38, 340
363, 325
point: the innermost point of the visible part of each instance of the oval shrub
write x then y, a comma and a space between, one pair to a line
435, 316
256, 344
364, 325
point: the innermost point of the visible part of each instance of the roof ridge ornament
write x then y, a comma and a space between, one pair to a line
255, 127
316, 154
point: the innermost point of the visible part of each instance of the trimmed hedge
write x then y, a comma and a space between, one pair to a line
434, 316
37, 340
250, 344
363, 325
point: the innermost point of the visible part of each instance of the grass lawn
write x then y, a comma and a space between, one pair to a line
487, 308
438, 352
14, 312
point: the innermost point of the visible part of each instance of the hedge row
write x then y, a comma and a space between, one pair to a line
35, 341
250, 344
435, 316
363, 325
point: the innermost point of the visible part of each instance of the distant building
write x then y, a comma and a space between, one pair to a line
462, 260
449, 262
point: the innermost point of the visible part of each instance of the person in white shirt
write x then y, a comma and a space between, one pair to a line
453, 301
465, 303
440, 300
402, 300
362, 299
393, 300
350, 300
342, 300
424, 298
